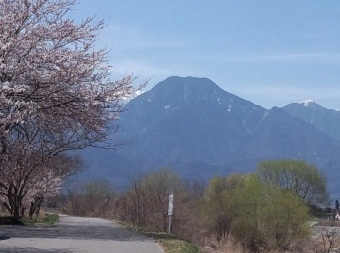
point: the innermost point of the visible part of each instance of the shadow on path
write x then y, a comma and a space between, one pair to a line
34, 250
74, 228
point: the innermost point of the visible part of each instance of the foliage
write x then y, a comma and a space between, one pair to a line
216, 206
268, 218
47, 218
26, 186
239, 207
145, 204
51, 218
54, 85
256, 216
55, 92
297, 176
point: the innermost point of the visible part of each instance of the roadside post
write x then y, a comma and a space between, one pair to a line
170, 210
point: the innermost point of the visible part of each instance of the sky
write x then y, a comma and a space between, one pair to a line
269, 52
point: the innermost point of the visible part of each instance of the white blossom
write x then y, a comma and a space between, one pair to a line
55, 89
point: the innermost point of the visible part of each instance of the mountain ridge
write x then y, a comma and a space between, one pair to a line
326, 120
200, 130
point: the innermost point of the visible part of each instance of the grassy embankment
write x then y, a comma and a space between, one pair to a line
46, 218
178, 246
173, 244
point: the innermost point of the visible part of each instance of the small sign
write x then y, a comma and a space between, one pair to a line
171, 204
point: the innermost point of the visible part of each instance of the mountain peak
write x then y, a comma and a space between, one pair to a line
175, 92
185, 90
307, 102
183, 83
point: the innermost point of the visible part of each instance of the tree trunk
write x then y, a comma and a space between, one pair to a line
32, 209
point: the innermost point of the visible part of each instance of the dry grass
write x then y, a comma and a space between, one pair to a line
224, 246
171, 245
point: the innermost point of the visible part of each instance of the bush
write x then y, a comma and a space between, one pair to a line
93, 199
145, 204
258, 217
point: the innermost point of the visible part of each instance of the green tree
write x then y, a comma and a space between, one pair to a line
297, 176
216, 207
268, 218
259, 217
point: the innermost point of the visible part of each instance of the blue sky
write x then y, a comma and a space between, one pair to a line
270, 52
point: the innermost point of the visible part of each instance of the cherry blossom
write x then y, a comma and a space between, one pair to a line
56, 93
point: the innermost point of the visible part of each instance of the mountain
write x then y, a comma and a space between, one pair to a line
189, 119
199, 130
326, 120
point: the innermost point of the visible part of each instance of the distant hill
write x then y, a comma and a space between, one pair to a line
199, 130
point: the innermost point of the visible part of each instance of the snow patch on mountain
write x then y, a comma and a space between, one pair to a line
218, 101
307, 102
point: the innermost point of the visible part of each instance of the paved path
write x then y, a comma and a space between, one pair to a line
75, 234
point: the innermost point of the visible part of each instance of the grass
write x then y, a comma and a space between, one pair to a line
178, 246
51, 218
173, 244
170, 243
48, 219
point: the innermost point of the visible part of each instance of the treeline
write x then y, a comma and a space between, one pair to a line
266, 211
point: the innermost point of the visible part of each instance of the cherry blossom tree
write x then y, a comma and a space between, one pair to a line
55, 88
52, 80
47, 181
26, 178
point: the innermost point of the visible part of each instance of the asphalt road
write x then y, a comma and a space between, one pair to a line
75, 234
